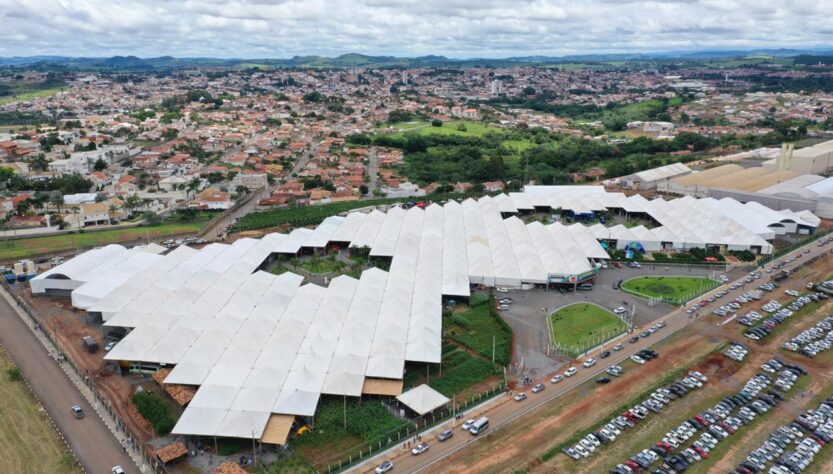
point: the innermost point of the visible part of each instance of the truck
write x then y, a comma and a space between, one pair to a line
90, 344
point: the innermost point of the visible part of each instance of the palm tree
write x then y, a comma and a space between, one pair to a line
131, 203
111, 211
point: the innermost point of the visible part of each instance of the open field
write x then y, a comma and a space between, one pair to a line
30, 95
12, 249
667, 287
28, 442
453, 127
582, 324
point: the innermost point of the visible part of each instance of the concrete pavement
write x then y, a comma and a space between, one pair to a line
501, 414
89, 438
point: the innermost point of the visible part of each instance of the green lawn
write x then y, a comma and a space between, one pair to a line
12, 249
477, 325
668, 287
583, 325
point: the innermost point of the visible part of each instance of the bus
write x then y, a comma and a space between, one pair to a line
481, 424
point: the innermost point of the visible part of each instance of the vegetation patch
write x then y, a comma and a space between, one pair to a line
153, 409
481, 329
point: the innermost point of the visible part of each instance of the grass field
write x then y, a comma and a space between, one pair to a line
667, 287
582, 325
28, 442
472, 129
12, 249
31, 95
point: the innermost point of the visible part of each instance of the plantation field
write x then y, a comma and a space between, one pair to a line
28, 442
668, 287
583, 325
13, 249
30, 95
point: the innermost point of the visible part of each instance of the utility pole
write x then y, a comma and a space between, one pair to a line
493, 348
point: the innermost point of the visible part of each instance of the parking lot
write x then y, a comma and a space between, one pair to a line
529, 322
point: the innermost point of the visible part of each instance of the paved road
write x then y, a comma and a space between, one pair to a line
90, 440
507, 410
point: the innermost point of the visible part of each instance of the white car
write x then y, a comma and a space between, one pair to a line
501, 290
570, 372
384, 467
520, 397
419, 449
637, 359
589, 363
467, 425
620, 310
557, 378
118, 470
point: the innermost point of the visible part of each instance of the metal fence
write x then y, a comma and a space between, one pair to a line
132, 440
398, 437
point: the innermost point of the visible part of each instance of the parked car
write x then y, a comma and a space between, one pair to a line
538, 388
445, 435
589, 363
520, 397
384, 467
467, 425
570, 372
602, 380
77, 411
637, 359
557, 378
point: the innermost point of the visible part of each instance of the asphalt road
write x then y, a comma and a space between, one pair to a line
508, 411
90, 440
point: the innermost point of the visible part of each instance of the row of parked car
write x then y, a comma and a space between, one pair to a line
655, 402
793, 447
714, 425
778, 316
736, 351
813, 340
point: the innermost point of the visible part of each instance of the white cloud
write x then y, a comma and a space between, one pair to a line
456, 28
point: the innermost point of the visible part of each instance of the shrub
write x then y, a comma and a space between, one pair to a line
14, 374
153, 409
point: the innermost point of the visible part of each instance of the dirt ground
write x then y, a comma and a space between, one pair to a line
59, 318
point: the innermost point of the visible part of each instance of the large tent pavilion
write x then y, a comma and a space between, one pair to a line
263, 348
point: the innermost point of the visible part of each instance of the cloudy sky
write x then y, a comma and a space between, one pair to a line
455, 28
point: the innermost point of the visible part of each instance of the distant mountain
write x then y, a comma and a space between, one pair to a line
356, 60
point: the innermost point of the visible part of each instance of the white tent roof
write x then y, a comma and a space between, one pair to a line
423, 399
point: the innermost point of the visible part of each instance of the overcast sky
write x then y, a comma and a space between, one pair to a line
455, 28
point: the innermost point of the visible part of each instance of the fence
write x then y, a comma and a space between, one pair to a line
776, 255
100, 401
348, 460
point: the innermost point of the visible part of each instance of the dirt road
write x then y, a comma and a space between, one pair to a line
90, 440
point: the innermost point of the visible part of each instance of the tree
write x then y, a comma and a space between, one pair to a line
436, 123
193, 185
151, 218
100, 165
131, 203
56, 198
23, 207
241, 190
363, 189
112, 209
40, 162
